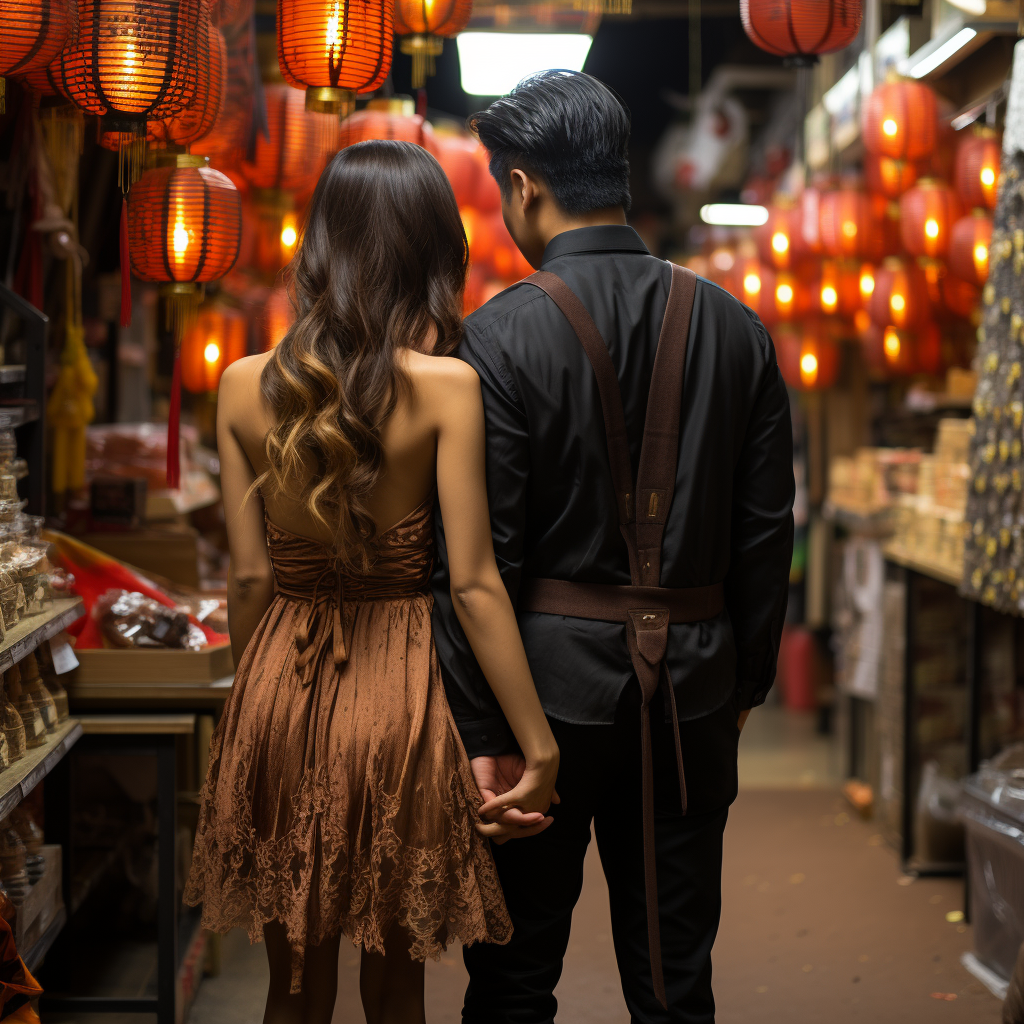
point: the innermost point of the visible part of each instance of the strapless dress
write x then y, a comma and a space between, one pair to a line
339, 795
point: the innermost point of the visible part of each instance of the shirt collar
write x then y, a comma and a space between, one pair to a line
601, 238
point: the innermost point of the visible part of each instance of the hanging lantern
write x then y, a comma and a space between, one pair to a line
34, 33
457, 156
509, 264
900, 295
184, 225
927, 214
754, 282
791, 298
866, 284
849, 223
48, 79
218, 337
890, 351
780, 239
275, 224
800, 30
977, 168
888, 176
899, 120
197, 120
808, 359
423, 26
969, 245
334, 49
375, 123
839, 290
278, 317
960, 297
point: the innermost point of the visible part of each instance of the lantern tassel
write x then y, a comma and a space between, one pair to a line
126, 268
174, 426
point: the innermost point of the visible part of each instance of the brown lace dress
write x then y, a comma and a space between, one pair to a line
339, 796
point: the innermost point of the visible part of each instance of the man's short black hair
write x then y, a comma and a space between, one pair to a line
567, 128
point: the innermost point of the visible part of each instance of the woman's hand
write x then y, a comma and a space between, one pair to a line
517, 793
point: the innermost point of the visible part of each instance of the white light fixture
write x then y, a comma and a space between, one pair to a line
942, 53
494, 63
734, 215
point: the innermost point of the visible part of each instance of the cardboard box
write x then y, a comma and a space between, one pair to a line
119, 666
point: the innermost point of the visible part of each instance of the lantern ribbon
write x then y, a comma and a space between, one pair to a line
174, 425
126, 268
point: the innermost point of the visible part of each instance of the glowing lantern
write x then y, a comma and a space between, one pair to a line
47, 78
927, 214
276, 225
278, 317
218, 337
292, 157
866, 283
754, 283
977, 168
900, 295
899, 120
457, 157
969, 247
34, 32
780, 238
334, 49
791, 299
839, 290
888, 176
807, 358
849, 225
423, 26
960, 297
377, 123
801, 29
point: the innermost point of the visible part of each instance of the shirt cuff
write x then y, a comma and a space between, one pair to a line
487, 737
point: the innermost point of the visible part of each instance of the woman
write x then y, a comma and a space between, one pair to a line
339, 797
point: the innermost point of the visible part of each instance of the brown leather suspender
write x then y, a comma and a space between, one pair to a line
645, 607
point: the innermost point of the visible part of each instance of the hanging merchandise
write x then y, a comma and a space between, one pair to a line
927, 214
977, 168
808, 358
800, 30
970, 241
899, 120
334, 50
423, 26
185, 222
900, 295
34, 32
218, 337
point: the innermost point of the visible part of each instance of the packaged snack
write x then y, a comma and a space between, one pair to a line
130, 619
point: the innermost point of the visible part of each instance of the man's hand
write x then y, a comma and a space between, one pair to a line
494, 777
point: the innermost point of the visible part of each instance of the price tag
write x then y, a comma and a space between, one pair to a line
63, 654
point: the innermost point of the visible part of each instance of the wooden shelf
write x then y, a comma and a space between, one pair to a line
34, 630
12, 374
34, 955
936, 571
17, 781
156, 692
18, 415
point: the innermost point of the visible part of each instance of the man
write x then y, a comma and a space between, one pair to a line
561, 484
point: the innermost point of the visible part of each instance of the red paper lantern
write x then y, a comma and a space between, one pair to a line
808, 359
849, 224
969, 245
278, 317
899, 120
801, 29
959, 297
790, 299
839, 291
977, 168
457, 157
275, 224
371, 123
780, 239
34, 33
218, 337
334, 50
48, 78
900, 295
753, 283
292, 157
889, 177
927, 214
423, 25
135, 60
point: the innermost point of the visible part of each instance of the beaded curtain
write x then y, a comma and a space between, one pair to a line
994, 548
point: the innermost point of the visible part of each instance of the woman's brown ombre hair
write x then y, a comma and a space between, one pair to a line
381, 266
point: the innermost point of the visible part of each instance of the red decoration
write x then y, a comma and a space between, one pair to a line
48, 78
977, 168
969, 245
34, 32
808, 359
839, 291
275, 225
900, 295
334, 50
509, 264
385, 124
959, 297
888, 176
850, 225
927, 214
217, 338
801, 29
423, 25
278, 316
754, 284
780, 239
487, 197
790, 299
899, 121
457, 156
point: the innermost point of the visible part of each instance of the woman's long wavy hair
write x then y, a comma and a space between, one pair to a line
381, 266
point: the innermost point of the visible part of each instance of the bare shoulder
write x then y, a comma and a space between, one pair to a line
239, 392
441, 378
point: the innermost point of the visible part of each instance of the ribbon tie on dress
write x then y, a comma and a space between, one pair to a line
336, 596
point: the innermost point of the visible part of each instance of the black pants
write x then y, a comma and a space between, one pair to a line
599, 781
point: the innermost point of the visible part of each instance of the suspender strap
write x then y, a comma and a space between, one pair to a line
647, 613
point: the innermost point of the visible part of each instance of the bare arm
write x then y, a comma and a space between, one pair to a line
480, 599
250, 577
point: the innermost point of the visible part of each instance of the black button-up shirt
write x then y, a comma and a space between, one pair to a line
552, 502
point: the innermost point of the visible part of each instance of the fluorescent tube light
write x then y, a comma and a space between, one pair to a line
494, 63
941, 54
734, 215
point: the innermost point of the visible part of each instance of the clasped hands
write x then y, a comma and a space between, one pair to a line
517, 795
